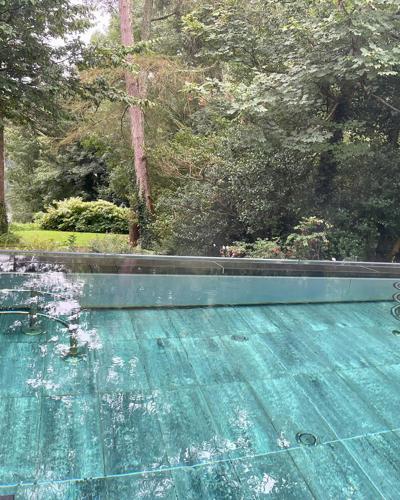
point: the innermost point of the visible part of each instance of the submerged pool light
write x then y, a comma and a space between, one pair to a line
306, 439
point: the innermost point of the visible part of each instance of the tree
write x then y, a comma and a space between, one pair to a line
136, 88
3, 213
39, 51
320, 78
41, 171
257, 114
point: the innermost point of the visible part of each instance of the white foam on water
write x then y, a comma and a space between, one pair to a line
265, 485
282, 442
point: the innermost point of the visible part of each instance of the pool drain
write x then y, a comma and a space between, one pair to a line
306, 439
396, 332
240, 338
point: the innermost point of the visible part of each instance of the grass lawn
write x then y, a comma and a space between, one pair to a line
30, 237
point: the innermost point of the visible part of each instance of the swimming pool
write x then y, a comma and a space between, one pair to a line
191, 401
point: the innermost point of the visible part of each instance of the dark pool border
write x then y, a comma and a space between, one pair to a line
19, 261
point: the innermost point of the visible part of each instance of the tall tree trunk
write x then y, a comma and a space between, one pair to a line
3, 211
136, 87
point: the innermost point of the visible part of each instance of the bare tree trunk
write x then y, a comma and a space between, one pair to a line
136, 86
3, 212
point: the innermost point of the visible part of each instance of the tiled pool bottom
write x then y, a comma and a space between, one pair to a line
206, 403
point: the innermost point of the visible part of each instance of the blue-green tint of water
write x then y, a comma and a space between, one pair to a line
204, 403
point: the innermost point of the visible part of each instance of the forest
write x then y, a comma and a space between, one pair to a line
242, 128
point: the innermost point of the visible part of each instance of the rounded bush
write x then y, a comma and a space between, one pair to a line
74, 214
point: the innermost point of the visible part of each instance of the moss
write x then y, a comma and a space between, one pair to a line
3, 219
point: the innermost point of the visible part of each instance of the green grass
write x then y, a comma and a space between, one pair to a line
29, 233
31, 237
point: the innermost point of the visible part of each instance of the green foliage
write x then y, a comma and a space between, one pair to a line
248, 190
260, 249
36, 72
117, 244
307, 93
39, 172
348, 246
238, 249
9, 239
310, 240
367, 204
267, 249
71, 242
74, 214
354, 236
3, 219
264, 112
31, 237
38, 243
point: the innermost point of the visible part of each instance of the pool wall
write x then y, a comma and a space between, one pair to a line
135, 290
164, 290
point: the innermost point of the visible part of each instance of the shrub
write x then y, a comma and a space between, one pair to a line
237, 249
267, 249
241, 194
353, 237
115, 244
310, 240
347, 245
74, 214
260, 249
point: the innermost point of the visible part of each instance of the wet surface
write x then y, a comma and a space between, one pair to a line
176, 404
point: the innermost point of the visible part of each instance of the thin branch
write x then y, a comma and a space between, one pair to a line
332, 112
161, 18
380, 99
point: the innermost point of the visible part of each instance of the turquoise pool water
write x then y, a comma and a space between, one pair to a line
204, 403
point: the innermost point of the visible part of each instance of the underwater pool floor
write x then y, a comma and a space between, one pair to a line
295, 401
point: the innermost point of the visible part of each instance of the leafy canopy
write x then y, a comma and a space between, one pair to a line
39, 53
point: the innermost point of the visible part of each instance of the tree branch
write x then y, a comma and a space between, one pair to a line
333, 111
122, 122
380, 99
161, 18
